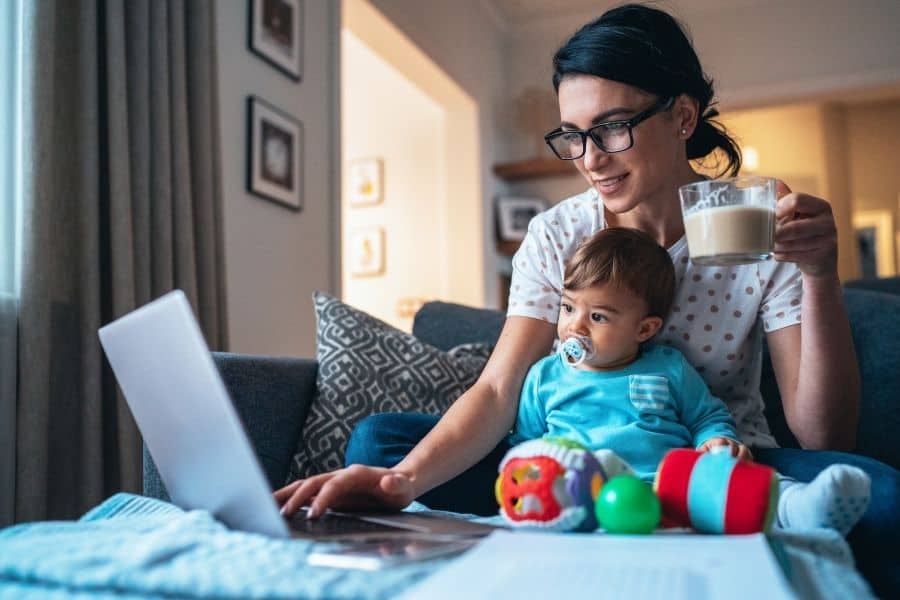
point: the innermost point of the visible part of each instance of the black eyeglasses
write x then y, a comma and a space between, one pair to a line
612, 136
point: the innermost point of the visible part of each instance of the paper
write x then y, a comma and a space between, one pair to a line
524, 565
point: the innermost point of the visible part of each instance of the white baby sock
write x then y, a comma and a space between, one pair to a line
836, 499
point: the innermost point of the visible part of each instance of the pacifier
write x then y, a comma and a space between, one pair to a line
576, 349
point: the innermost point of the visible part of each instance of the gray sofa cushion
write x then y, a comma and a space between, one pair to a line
367, 367
445, 325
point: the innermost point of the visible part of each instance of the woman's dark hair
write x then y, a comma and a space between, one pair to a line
647, 48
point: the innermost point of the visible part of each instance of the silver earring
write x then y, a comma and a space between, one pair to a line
684, 132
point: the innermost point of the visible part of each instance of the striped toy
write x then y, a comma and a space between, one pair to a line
714, 492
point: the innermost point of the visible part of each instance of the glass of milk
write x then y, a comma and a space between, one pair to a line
729, 221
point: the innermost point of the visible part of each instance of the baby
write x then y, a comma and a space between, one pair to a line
609, 389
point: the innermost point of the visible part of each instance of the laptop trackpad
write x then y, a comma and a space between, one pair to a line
360, 525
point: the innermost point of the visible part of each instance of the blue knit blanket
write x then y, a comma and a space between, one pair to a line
136, 547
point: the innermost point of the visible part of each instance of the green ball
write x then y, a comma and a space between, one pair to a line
627, 505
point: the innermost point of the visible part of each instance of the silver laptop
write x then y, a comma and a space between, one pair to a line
193, 432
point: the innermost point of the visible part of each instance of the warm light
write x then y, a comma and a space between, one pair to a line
750, 158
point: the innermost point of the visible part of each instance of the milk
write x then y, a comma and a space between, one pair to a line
730, 235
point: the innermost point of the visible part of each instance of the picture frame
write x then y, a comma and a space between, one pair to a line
367, 252
365, 183
274, 154
275, 34
874, 234
513, 215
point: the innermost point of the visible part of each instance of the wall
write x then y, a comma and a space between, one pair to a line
873, 134
275, 259
874, 143
804, 146
758, 52
385, 115
461, 38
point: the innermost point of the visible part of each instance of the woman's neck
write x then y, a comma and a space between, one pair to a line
658, 216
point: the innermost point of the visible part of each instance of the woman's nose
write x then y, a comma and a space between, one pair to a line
594, 158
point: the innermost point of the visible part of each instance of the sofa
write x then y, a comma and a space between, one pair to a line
273, 395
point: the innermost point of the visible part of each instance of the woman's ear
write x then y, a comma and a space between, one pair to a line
648, 327
686, 112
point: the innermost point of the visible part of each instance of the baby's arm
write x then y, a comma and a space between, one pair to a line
531, 419
705, 416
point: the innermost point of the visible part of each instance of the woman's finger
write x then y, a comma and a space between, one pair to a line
804, 228
304, 492
819, 242
793, 206
813, 257
284, 493
340, 489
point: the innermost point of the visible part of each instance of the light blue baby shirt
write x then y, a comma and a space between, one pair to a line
657, 403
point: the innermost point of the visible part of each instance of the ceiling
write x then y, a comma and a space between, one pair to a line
523, 12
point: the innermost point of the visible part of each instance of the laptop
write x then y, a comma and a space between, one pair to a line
192, 431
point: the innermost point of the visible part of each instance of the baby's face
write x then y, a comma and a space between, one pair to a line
615, 320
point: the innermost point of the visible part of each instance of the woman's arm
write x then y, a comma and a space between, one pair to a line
815, 364
479, 419
470, 429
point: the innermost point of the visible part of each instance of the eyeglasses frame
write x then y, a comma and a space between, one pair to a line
662, 105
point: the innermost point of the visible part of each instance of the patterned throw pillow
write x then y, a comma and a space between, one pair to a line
367, 367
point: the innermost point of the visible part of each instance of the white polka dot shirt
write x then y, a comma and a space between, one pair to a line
717, 319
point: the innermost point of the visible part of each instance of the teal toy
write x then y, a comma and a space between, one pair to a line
627, 505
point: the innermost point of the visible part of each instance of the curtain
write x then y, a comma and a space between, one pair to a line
120, 205
9, 94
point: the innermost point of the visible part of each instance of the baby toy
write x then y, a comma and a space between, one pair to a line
714, 492
627, 505
549, 484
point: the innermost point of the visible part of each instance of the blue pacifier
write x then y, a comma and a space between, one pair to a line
576, 349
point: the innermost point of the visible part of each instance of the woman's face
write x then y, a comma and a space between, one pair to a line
645, 173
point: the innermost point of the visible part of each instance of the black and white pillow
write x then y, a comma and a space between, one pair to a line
367, 366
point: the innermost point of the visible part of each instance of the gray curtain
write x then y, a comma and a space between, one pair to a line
121, 204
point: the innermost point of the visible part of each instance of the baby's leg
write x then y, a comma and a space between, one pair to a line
836, 499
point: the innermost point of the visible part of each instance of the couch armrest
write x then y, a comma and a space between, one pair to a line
272, 397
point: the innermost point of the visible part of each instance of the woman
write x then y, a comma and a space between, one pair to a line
634, 104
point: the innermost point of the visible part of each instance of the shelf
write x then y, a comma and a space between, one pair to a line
534, 168
507, 248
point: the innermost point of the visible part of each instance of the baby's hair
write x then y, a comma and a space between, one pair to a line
625, 258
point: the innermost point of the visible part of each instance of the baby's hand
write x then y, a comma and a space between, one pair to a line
735, 448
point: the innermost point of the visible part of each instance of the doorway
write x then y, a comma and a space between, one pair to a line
411, 202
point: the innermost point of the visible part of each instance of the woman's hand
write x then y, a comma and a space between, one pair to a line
735, 448
356, 487
805, 232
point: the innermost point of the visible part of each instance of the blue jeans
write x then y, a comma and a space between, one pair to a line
384, 440
876, 537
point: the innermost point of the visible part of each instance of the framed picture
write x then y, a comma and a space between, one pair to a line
365, 181
276, 34
513, 215
274, 154
874, 233
367, 252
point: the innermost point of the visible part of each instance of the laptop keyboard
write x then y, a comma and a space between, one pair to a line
331, 525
